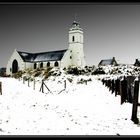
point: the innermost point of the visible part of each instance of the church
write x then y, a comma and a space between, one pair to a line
73, 56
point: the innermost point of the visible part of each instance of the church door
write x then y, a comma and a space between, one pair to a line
14, 66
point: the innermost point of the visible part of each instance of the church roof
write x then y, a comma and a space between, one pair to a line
107, 62
43, 56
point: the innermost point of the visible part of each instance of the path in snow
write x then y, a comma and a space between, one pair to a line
87, 110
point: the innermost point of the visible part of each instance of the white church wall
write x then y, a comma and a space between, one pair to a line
78, 37
29, 65
15, 56
66, 60
77, 54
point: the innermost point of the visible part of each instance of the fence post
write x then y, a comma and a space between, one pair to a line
117, 87
23, 80
42, 86
135, 103
65, 84
103, 81
123, 91
28, 82
113, 86
0, 88
34, 84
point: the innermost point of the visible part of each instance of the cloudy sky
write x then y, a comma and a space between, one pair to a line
109, 29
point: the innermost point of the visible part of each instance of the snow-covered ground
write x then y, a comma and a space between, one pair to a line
80, 109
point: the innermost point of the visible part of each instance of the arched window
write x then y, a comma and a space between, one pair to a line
56, 64
41, 65
48, 64
34, 65
73, 38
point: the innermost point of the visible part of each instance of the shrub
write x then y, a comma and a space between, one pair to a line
98, 71
73, 70
18, 74
37, 73
47, 72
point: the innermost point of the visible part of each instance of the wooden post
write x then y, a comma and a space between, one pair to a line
120, 89
0, 88
23, 80
135, 103
34, 84
86, 82
117, 86
42, 86
65, 84
103, 81
109, 84
28, 82
123, 91
113, 86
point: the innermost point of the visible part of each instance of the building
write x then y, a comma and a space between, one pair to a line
2, 71
137, 63
73, 56
106, 62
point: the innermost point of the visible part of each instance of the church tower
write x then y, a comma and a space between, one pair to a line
76, 42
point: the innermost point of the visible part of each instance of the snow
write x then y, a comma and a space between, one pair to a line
80, 109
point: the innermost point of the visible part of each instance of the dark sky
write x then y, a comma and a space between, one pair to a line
109, 30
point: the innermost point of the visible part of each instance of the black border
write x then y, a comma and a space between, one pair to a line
71, 2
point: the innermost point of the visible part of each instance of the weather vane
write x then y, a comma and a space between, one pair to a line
75, 16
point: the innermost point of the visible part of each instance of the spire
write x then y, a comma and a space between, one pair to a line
75, 17
75, 22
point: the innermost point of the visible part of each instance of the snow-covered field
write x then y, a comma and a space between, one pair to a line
80, 109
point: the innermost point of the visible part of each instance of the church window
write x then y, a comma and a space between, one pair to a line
41, 65
34, 65
70, 57
56, 64
48, 64
73, 38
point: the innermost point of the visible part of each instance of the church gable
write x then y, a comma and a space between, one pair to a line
27, 57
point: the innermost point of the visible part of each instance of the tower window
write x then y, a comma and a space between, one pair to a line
70, 57
73, 38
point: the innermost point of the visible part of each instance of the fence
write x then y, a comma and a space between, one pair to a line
128, 89
0, 88
43, 85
